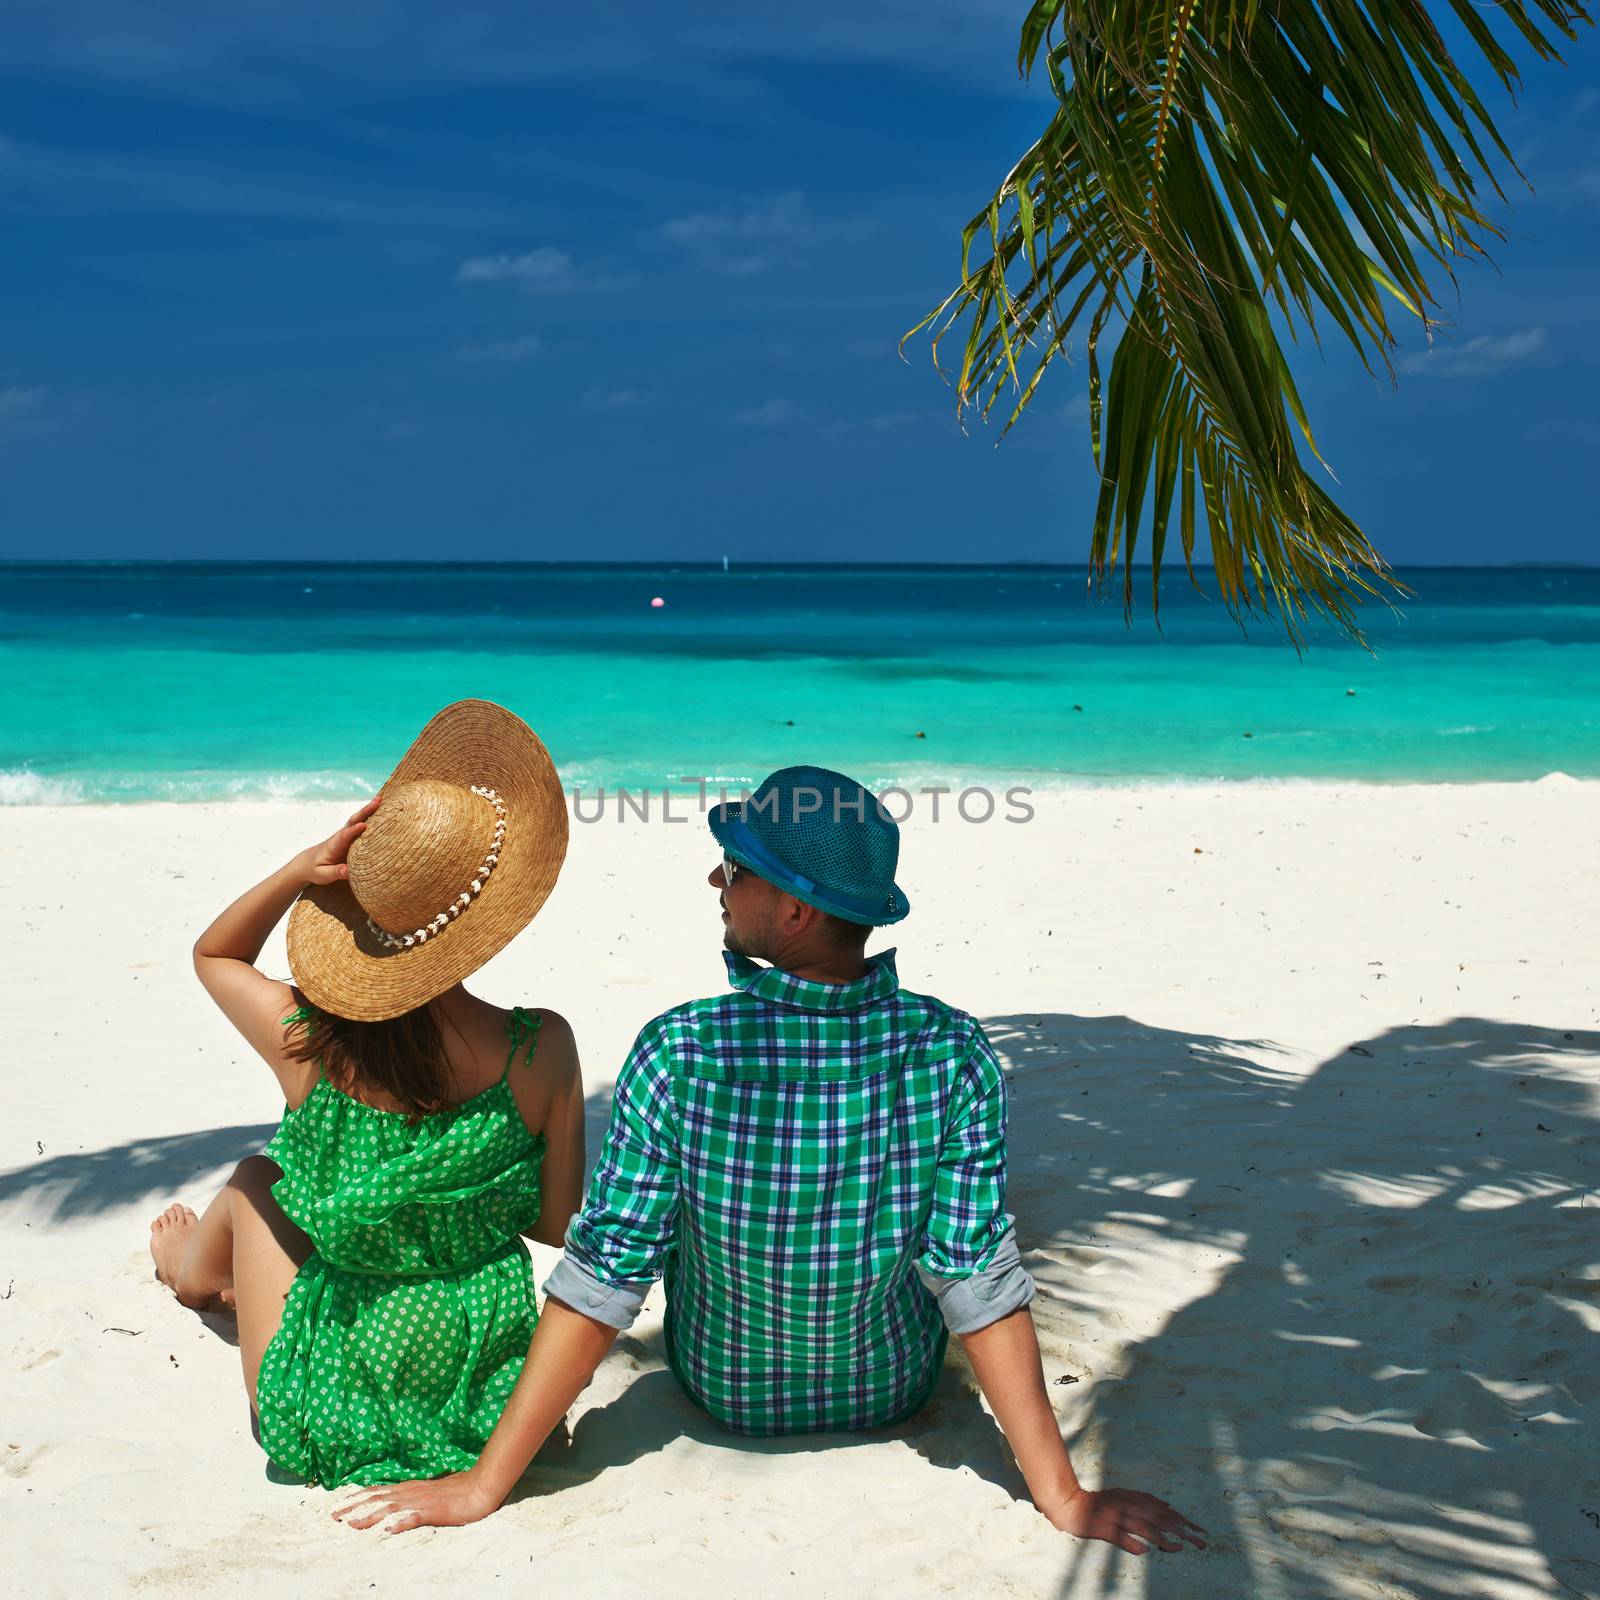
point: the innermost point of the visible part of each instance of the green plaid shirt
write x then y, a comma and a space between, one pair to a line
819, 1169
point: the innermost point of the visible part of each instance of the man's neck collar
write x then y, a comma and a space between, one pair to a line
772, 983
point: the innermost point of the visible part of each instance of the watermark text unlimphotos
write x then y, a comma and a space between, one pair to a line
933, 802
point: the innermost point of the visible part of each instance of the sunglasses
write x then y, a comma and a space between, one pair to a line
730, 869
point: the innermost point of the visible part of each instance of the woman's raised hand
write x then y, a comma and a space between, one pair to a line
325, 862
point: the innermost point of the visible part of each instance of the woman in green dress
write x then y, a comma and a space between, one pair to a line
374, 1252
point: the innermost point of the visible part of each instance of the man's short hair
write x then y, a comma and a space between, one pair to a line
844, 933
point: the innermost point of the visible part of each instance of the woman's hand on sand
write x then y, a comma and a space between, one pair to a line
1128, 1518
325, 862
448, 1502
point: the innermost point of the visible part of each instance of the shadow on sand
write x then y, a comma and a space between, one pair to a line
951, 1430
1436, 1182
69, 1188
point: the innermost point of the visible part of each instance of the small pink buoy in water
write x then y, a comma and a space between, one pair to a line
658, 601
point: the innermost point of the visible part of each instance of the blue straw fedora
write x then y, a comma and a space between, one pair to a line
820, 836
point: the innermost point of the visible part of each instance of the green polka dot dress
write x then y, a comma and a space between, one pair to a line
403, 1334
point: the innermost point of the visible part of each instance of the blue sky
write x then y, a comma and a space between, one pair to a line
528, 281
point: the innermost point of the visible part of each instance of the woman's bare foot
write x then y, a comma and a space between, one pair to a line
169, 1238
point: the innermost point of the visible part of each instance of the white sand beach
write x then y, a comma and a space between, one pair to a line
1304, 1156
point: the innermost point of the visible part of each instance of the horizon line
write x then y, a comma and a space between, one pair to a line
714, 564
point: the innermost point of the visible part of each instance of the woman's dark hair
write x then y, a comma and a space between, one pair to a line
402, 1057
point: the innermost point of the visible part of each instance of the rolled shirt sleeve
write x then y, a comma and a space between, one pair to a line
616, 1246
969, 1258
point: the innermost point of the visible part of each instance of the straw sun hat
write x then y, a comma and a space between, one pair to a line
462, 851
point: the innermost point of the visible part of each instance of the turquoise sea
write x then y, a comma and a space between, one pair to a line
198, 682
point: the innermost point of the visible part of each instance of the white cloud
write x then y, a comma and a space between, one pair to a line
777, 413
407, 430
309, 54
544, 268
763, 235
1483, 354
502, 353
739, 243
14, 402
41, 180
614, 400
1586, 180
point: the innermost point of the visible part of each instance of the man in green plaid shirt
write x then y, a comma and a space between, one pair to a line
820, 1169
816, 1163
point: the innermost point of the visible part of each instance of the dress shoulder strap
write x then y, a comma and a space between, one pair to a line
522, 1029
308, 1017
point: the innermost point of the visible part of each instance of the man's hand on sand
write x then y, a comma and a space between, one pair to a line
447, 1502
1128, 1518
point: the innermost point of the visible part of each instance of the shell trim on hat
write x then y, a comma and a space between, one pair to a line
404, 941
342, 966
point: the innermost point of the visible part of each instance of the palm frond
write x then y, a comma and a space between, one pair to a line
1217, 175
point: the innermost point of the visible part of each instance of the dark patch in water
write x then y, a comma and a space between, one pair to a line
935, 669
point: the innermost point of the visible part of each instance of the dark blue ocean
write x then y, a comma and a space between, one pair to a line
196, 682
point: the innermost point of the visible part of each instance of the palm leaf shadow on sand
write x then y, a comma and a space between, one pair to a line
1370, 1454
65, 1188
952, 1430
653, 1412
1393, 1256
